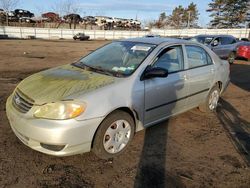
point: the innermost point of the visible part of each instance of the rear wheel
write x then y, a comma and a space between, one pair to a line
212, 100
231, 57
113, 135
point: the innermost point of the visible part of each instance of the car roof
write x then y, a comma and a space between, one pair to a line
215, 36
157, 40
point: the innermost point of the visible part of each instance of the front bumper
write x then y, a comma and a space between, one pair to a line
225, 86
75, 136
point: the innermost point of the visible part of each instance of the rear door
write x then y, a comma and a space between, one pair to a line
228, 46
225, 46
166, 96
200, 74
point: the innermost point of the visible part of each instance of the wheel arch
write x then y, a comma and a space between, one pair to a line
219, 84
128, 110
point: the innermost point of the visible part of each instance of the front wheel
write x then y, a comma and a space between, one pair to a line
113, 135
212, 100
231, 58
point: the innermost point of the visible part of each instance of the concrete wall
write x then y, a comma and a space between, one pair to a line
48, 33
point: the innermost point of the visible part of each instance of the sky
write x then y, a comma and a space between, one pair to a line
144, 10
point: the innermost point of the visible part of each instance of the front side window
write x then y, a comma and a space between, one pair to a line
171, 59
117, 58
197, 57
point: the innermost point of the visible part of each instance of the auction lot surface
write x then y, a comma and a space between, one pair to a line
190, 150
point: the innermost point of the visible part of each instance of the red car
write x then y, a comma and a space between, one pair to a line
244, 51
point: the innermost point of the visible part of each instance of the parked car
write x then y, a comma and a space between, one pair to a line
100, 101
244, 51
20, 13
26, 19
152, 35
81, 36
225, 46
244, 39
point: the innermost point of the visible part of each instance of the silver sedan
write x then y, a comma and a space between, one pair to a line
100, 101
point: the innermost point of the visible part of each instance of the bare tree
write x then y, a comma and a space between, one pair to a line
69, 10
65, 7
8, 5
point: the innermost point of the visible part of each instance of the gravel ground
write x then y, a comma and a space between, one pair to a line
189, 150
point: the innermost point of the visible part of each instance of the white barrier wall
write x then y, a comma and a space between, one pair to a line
48, 33
238, 33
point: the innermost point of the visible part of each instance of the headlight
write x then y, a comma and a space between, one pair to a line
60, 110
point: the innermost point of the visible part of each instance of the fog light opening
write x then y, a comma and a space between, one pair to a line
52, 147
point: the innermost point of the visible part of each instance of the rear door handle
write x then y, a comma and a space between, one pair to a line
212, 70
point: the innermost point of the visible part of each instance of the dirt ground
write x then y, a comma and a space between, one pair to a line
190, 150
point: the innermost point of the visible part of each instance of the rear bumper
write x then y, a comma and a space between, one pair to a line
244, 51
74, 136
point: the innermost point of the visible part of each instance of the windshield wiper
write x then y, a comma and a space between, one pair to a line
99, 70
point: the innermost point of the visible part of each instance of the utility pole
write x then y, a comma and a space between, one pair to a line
189, 16
248, 20
7, 18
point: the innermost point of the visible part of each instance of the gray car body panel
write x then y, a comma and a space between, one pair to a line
150, 101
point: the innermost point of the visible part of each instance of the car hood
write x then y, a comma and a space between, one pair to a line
59, 83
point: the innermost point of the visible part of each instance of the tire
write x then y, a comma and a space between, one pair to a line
113, 135
211, 101
231, 58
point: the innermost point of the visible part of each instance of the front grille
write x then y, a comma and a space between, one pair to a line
21, 102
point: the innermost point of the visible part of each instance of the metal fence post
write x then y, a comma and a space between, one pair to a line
21, 35
48, 32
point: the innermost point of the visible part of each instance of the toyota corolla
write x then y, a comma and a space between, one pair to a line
100, 101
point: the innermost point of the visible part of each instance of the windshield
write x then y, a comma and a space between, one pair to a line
117, 58
203, 40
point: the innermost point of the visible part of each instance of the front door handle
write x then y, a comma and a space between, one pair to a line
184, 77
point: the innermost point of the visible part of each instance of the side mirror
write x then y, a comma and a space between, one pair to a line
154, 72
215, 43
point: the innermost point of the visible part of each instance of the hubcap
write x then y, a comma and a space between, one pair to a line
117, 136
231, 58
213, 100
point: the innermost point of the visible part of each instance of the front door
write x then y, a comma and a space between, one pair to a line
166, 96
218, 47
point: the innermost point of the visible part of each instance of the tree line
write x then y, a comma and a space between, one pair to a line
229, 13
223, 14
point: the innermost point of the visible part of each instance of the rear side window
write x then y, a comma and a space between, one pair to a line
227, 40
171, 58
197, 57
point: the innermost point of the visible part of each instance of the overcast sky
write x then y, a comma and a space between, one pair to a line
143, 9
